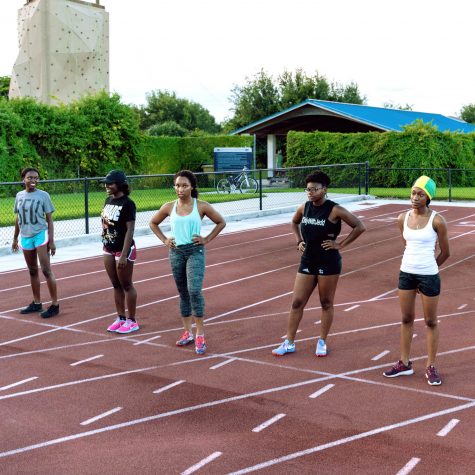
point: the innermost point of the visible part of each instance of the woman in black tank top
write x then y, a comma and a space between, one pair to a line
316, 226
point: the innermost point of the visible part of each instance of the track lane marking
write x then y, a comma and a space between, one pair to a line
268, 423
380, 355
197, 466
446, 429
321, 391
92, 358
101, 416
18, 383
409, 466
223, 363
168, 386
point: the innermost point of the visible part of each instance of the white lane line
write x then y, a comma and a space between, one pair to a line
321, 391
51, 442
378, 357
168, 386
409, 466
349, 439
414, 336
225, 362
318, 322
445, 430
202, 463
141, 342
18, 383
351, 308
101, 416
92, 358
266, 424
462, 306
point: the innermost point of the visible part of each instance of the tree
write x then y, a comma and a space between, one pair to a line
467, 113
391, 105
165, 107
4, 86
262, 96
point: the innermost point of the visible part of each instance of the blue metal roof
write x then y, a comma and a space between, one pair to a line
379, 117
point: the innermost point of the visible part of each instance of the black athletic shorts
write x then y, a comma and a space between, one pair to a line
327, 266
429, 285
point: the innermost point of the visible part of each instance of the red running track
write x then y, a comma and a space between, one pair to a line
75, 399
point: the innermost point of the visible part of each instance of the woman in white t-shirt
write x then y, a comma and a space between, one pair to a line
421, 228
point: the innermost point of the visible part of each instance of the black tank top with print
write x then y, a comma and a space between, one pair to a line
316, 228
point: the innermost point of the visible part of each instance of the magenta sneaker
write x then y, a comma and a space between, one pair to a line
116, 325
128, 326
399, 369
200, 345
433, 376
185, 339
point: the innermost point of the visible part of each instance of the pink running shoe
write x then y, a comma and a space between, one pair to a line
185, 339
128, 326
200, 345
116, 325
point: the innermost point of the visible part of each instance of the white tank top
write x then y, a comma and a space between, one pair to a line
419, 255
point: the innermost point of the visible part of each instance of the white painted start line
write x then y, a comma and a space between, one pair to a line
445, 430
225, 362
378, 357
266, 424
101, 416
202, 463
409, 466
92, 358
321, 391
18, 383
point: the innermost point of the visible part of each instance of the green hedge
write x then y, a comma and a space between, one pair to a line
170, 154
419, 146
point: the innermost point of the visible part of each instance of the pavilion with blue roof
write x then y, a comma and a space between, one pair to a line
328, 116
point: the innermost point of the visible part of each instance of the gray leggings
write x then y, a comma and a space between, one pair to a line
188, 268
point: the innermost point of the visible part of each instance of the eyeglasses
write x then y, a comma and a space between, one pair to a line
312, 190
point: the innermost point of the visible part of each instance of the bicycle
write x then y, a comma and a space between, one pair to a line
242, 182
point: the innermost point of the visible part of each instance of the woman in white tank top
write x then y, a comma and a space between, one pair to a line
421, 228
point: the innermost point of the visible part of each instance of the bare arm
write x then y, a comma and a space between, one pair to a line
51, 244
16, 233
400, 223
296, 220
157, 219
129, 236
351, 220
207, 210
440, 227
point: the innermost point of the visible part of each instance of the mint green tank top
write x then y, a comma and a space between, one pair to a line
184, 227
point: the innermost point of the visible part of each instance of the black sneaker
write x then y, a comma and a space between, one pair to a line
32, 308
51, 312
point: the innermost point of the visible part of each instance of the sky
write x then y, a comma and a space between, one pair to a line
416, 52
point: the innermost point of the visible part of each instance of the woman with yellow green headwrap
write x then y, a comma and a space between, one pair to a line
421, 228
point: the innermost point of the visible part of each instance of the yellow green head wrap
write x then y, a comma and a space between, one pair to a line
427, 184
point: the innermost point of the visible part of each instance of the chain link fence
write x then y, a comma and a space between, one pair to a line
79, 202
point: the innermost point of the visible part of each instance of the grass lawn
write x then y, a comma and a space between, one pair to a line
71, 206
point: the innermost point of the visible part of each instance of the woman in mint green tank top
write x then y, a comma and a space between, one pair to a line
187, 251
